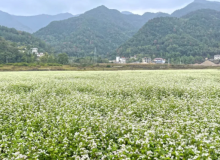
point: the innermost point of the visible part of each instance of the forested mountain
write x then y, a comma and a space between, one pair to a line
100, 28
189, 39
21, 38
197, 5
34, 23
30, 23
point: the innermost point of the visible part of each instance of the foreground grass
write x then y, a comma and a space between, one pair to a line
110, 115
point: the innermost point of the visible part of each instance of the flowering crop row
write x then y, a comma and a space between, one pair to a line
110, 115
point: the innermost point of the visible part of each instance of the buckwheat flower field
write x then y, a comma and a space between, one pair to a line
110, 115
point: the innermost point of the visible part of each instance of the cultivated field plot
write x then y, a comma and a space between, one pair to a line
110, 115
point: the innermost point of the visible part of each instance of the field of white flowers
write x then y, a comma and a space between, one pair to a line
110, 115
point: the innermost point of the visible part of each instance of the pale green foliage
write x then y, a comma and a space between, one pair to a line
110, 115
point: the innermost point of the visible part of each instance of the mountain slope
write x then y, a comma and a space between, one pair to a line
197, 5
40, 21
21, 38
9, 21
191, 38
100, 28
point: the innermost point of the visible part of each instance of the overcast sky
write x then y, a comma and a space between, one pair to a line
34, 7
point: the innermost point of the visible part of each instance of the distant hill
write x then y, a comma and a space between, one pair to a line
149, 15
197, 5
11, 22
21, 38
40, 21
139, 21
101, 28
30, 23
189, 39
126, 12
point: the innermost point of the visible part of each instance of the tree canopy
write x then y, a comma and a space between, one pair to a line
9, 52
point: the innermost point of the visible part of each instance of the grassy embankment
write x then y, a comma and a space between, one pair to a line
101, 67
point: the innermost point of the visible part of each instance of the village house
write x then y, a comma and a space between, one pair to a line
159, 61
217, 57
120, 60
35, 51
146, 60
40, 54
135, 57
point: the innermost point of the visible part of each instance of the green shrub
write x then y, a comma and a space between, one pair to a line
20, 64
9, 64
32, 64
54, 64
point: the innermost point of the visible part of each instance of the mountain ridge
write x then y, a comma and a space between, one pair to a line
127, 12
30, 23
34, 23
39, 21
9, 21
196, 5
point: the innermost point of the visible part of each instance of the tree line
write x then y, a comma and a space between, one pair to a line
10, 53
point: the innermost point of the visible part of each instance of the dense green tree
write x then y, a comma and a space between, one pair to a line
9, 53
63, 58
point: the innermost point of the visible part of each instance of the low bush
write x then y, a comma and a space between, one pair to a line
20, 64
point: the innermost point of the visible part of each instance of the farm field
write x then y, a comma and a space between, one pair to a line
110, 115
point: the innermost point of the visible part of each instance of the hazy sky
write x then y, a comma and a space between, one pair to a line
33, 7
